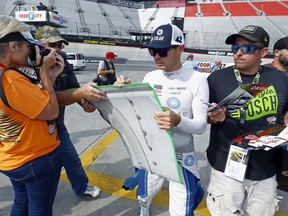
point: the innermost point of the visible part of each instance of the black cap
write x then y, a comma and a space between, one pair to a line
251, 33
281, 44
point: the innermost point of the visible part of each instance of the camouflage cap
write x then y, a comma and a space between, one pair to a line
51, 34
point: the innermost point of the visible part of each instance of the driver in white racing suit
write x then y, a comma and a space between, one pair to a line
181, 92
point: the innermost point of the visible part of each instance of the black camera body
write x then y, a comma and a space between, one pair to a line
43, 52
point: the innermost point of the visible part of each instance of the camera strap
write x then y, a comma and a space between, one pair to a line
2, 95
40, 64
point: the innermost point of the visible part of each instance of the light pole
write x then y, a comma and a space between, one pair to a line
77, 29
130, 32
99, 29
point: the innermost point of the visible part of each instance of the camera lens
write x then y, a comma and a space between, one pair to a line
44, 52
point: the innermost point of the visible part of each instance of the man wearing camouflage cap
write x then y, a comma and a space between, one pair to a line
51, 37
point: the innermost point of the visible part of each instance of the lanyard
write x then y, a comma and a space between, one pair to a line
239, 79
242, 120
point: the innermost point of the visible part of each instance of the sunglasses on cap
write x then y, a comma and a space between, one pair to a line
162, 52
246, 49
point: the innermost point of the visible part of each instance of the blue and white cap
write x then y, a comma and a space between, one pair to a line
165, 36
29, 38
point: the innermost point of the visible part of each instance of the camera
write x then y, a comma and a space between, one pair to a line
43, 52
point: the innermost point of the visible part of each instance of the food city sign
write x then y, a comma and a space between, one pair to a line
31, 16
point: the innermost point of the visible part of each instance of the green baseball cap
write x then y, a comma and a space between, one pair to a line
251, 33
51, 34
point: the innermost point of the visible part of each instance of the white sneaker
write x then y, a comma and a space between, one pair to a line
144, 209
143, 212
92, 191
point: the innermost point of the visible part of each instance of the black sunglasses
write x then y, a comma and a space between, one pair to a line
246, 49
162, 52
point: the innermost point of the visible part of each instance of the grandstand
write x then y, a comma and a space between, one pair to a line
205, 23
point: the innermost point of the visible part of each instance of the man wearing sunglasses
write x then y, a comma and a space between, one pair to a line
180, 91
255, 193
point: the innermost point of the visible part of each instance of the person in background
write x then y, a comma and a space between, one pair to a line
42, 7
51, 37
180, 91
217, 65
190, 63
280, 62
254, 191
29, 148
106, 70
280, 50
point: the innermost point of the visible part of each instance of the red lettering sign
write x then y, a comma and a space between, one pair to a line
23, 15
204, 64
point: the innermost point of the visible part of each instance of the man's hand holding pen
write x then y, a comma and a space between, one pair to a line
215, 116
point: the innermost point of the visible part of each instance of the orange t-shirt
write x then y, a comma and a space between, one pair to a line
22, 137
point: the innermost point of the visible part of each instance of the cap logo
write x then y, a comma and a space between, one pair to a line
178, 39
160, 32
249, 29
158, 37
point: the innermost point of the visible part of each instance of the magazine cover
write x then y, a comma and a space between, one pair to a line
241, 95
